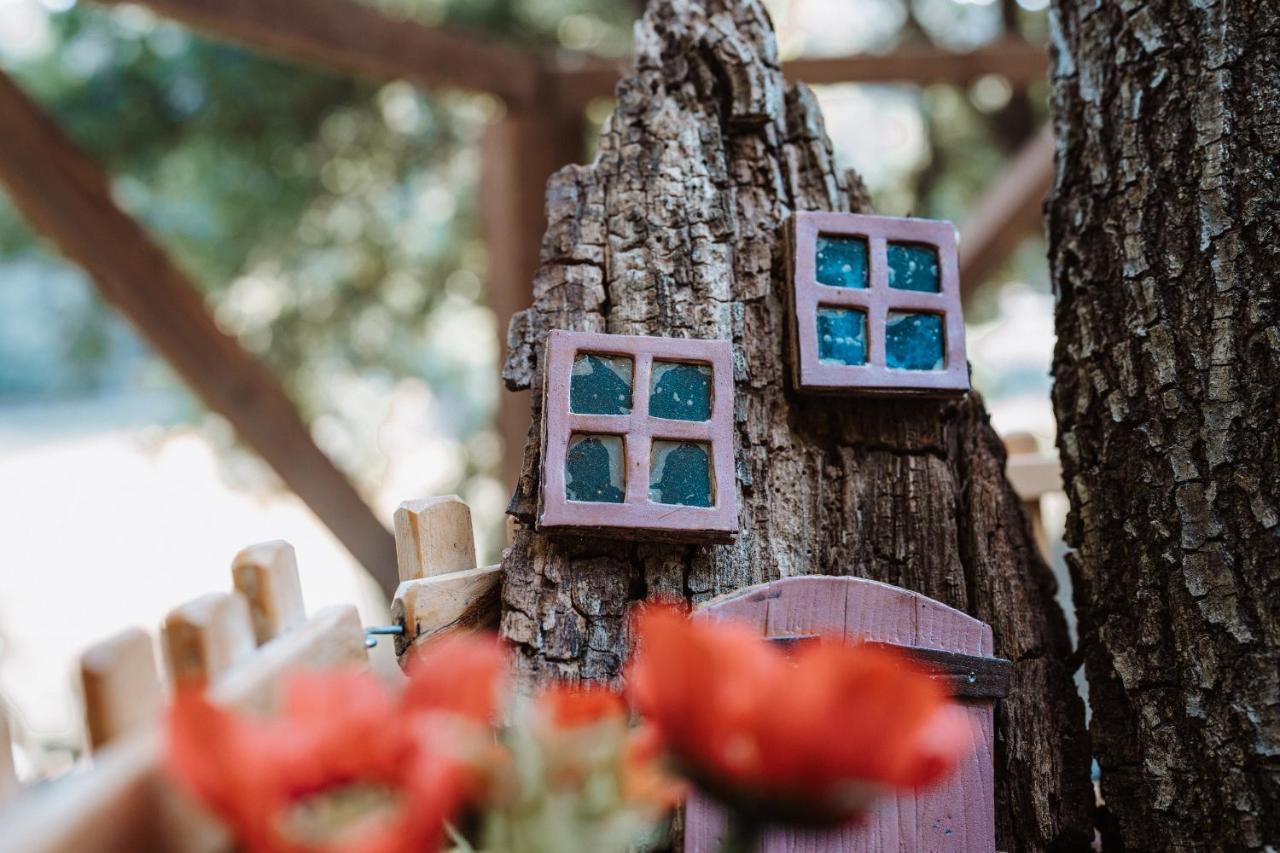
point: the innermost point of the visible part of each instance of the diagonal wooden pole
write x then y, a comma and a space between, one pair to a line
1006, 213
65, 195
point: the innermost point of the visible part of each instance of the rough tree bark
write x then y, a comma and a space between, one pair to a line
675, 230
1166, 256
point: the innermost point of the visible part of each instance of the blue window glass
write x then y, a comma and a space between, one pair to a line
680, 392
593, 469
842, 261
842, 335
680, 473
600, 385
914, 341
913, 267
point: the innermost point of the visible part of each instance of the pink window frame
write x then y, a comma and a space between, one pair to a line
877, 300
638, 430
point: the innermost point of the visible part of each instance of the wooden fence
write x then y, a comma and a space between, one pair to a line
242, 640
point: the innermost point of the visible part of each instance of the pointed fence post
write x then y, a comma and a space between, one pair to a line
441, 589
267, 575
120, 684
205, 636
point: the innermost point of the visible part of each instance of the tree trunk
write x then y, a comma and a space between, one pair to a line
675, 230
1166, 256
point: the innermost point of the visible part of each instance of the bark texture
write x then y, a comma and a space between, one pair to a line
675, 230
1165, 230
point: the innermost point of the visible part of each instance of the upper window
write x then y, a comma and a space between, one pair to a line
638, 435
876, 305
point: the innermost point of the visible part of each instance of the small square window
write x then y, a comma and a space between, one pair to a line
638, 437
680, 392
842, 335
914, 341
841, 261
875, 305
601, 385
913, 267
594, 469
680, 473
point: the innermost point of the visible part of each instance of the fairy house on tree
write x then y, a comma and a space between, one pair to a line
684, 228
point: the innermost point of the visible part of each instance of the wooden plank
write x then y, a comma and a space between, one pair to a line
521, 151
333, 637
458, 601
120, 685
206, 636
123, 802
580, 79
1006, 213
353, 37
956, 815
966, 676
266, 574
434, 536
66, 197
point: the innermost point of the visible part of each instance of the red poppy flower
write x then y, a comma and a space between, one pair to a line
810, 738
339, 768
569, 707
463, 674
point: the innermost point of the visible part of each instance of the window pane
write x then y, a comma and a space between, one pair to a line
680, 473
842, 336
593, 469
913, 267
914, 341
600, 385
681, 392
842, 261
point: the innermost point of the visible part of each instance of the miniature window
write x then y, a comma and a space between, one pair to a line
876, 305
638, 436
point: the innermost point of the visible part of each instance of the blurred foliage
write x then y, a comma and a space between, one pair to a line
333, 224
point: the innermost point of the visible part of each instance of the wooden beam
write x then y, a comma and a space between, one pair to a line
67, 197
521, 151
348, 36
1020, 62
1006, 213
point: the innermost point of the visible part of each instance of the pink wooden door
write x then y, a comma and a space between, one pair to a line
957, 815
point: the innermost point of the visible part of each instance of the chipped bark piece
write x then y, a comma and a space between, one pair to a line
434, 536
458, 601
677, 228
875, 305
333, 637
648, 450
205, 636
958, 814
266, 574
120, 685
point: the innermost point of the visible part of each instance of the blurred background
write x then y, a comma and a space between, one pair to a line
365, 237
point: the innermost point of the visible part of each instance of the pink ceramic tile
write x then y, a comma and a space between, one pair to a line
876, 301
628, 509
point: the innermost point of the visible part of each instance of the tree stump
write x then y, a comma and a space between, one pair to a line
1164, 250
676, 229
